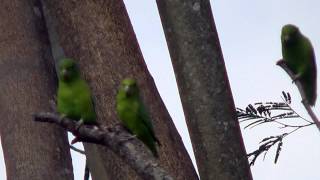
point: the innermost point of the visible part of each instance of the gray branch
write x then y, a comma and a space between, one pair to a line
117, 139
283, 65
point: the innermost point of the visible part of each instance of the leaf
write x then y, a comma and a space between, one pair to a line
253, 110
285, 95
261, 109
278, 151
289, 98
267, 138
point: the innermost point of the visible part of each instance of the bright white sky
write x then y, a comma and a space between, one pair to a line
249, 33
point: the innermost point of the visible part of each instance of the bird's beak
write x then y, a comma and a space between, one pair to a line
65, 74
126, 89
286, 38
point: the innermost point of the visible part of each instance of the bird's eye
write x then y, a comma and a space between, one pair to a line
286, 38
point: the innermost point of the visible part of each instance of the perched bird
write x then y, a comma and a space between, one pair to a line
298, 55
74, 97
133, 114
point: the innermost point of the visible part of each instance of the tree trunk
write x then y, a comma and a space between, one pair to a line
27, 82
98, 34
204, 88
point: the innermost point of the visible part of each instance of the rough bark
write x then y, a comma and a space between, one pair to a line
31, 150
118, 140
204, 89
98, 34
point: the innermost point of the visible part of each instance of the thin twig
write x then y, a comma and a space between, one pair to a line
118, 140
77, 150
283, 65
312, 114
295, 111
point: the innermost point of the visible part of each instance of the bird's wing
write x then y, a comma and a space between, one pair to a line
144, 116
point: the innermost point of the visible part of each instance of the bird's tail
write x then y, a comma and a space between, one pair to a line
152, 146
154, 151
310, 89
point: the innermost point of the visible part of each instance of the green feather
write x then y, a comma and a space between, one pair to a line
298, 54
74, 97
133, 114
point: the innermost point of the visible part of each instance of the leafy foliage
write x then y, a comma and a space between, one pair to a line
271, 112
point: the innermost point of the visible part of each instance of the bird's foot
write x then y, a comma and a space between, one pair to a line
76, 132
296, 77
79, 124
119, 125
95, 127
305, 101
62, 116
127, 138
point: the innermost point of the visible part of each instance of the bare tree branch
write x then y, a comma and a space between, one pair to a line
77, 150
116, 139
302, 93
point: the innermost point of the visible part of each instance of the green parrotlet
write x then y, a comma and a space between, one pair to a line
134, 115
298, 55
74, 95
